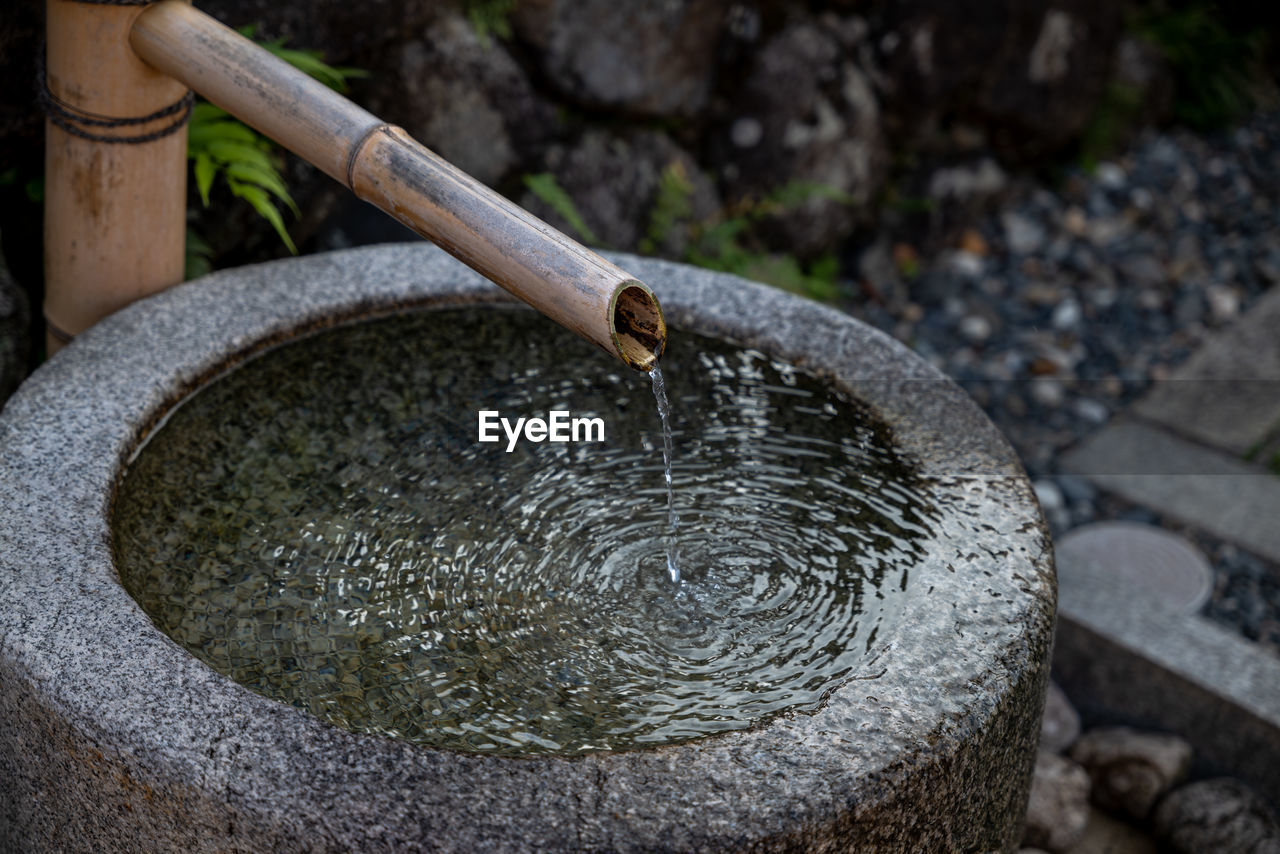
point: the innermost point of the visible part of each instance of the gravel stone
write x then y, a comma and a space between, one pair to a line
1058, 809
1220, 815
1061, 724
1095, 290
1130, 770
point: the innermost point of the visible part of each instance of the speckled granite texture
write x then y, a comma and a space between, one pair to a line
112, 738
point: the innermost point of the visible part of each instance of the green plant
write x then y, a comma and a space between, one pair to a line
1119, 107
198, 258
248, 163
672, 205
545, 186
490, 18
1215, 67
308, 61
724, 243
721, 242
32, 188
721, 248
1274, 465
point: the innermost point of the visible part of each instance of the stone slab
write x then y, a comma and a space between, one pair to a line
1227, 395
1121, 658
1214, 491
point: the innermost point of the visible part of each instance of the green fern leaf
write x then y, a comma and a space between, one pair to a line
226, 151
672, 206
261, 202
546, 188
268, 180
205, 173
227, 130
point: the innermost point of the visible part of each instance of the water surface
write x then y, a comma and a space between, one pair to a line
322, 526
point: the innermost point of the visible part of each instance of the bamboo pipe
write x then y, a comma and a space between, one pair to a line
383, 165
115, 213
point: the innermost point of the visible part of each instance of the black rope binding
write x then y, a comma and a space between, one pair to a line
75, 121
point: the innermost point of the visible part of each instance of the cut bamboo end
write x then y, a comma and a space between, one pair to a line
636, 323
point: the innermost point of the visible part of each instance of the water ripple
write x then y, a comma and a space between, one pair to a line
323, 527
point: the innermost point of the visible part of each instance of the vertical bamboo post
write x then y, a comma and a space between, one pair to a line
115, 212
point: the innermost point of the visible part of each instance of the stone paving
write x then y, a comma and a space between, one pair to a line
1197, 447
1197, 453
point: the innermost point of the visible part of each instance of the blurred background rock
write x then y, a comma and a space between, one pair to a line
780, 140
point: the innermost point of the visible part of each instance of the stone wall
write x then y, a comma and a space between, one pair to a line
747, 99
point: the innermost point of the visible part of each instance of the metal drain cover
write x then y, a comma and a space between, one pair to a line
1167, 567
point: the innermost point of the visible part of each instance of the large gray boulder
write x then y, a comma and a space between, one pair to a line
615, 183
464, 96
806, 115
648, 59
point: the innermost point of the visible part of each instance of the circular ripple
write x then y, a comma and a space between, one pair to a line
322, 526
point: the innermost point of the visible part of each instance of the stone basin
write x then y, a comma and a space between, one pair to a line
114, 738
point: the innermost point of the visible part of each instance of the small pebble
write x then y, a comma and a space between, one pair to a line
1048, 392
1049, 496
1110, 176
1222, 815
1131, 769
976, 328
1224, 303
1091, 411
1060, 726
1066, 316
1022, 234
1058, 808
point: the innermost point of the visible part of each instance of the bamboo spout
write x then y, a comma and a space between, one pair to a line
383, 165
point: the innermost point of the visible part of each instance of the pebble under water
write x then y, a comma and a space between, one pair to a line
322, 526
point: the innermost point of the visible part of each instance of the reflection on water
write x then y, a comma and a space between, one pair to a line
322, 526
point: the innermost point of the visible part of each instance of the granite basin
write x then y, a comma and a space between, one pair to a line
113, 738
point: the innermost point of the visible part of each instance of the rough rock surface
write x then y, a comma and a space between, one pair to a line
14, 322
924, 55
1061, 724
806, 114
650, 59
1221, 815
614, 182
1058, 809
466, 99
1130, 770
1043, 70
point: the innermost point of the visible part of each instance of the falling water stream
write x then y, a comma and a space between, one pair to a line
322, 525
673, 523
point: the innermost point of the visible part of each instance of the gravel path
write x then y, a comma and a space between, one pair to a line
1063, 308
